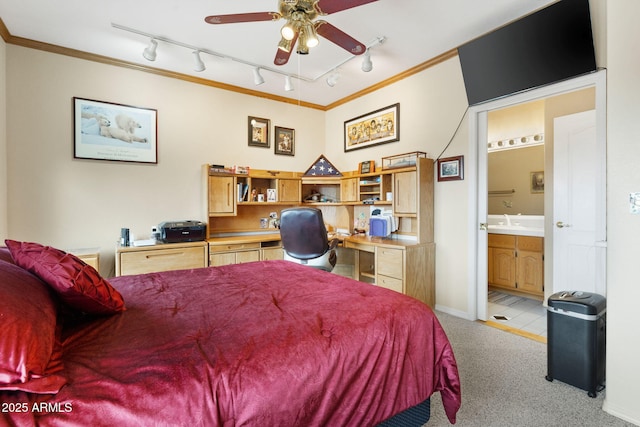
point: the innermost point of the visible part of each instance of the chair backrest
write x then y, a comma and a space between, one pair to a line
303, 233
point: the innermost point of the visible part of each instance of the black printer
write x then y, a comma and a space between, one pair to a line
182, 231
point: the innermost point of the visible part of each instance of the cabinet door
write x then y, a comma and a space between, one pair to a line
272, 253
504, 267
349, 190
222, 195
289, 190
223, 258
247, 256
530, 270
405, 193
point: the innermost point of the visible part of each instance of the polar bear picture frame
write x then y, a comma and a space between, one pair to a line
115, 132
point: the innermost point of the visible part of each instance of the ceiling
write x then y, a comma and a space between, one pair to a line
414, 31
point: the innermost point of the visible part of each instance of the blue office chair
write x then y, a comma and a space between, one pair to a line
304, 238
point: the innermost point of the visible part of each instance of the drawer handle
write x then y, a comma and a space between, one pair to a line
161, 255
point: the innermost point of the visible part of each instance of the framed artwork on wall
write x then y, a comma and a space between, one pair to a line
258, 132
110, 131
378, 127
451, 168
285, 142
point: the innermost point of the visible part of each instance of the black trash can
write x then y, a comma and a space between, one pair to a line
576, 323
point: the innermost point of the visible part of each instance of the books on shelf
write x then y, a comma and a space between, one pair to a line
243, 191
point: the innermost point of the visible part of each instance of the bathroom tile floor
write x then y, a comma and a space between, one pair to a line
521, 313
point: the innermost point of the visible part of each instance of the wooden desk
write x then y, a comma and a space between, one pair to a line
160, 257
401, 265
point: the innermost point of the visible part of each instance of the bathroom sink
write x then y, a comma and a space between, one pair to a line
520, 230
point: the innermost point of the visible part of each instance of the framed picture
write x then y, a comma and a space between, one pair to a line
272, 195
378, 127
451, 168
259, 132
109, 131
537, 182
285, 142
367, 167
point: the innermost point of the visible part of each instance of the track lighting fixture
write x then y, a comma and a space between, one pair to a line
257, 78
199, 65
288, 86
303, 36
333, 78
149, 52
367, 65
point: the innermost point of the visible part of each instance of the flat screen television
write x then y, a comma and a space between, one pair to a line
550, 45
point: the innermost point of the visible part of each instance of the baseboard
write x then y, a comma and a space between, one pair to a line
453, 312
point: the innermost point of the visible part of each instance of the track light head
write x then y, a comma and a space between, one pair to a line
199, 65
288, 86
149, 52
257, 78
333, 78
367, 65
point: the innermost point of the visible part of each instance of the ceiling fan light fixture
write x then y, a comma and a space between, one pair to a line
288, 31
311, 38
257, 77
288, 85
199, 65
149, 52
285, 45
367, 65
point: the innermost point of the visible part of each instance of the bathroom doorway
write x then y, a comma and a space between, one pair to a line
559, 99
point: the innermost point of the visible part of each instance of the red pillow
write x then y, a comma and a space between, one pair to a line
30, 353
79, 285
5, 255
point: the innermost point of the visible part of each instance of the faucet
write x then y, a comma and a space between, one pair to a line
508, 220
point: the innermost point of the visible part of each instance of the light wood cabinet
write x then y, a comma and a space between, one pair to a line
161, 257
400, 266
222, 195
288, 190
348, 190
516, 262
405, 188
241, 252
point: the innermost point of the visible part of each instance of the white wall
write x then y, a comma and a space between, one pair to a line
432, 104
72, 203
623, 177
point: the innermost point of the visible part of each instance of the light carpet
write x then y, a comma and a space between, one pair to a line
503, 383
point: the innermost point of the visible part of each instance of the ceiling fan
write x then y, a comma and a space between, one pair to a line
301, 26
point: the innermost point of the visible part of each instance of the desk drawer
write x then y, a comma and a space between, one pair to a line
390, 283
234, 247
389, 262
162, 260
359, 246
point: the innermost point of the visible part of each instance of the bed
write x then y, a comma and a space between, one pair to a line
269, 343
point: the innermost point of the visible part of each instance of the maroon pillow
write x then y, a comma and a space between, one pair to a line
79, 285
30, 353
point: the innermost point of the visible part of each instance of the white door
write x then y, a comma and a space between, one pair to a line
579, 227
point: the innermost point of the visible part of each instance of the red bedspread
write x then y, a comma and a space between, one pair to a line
259, 344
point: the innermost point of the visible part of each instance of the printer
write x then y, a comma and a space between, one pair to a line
182, 231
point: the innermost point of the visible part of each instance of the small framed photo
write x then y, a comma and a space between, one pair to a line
285, 142
451, 168
272, 195
367, 167
259, 132
537, 182
110, 131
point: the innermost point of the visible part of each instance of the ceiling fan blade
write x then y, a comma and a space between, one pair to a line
327, 7
242, 17
282, 56
340, 38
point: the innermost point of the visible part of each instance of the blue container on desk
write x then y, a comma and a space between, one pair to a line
379, 226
